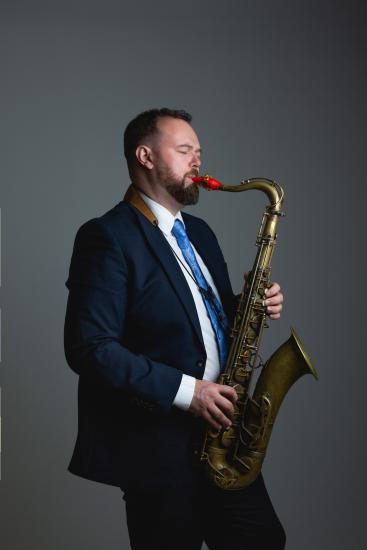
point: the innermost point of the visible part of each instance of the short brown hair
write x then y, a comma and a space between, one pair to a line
144, 125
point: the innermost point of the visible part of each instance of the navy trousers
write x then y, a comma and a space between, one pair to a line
181, 517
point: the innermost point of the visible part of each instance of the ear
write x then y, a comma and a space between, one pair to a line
144, 156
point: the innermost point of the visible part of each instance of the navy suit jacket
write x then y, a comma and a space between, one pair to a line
131, 330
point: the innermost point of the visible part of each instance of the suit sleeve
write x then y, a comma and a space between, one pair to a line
98, 285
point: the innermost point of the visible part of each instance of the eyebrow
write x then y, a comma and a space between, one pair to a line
189, 147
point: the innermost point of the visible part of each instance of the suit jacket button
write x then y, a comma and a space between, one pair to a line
200, 364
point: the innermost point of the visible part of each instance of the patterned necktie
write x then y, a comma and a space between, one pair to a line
213, 306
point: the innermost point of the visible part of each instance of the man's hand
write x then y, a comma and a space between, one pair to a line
214, 403
273, 301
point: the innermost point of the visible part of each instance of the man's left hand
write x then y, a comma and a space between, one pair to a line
273, 300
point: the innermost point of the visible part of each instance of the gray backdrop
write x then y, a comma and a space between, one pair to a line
277, 89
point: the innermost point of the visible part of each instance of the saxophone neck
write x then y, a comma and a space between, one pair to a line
272, 190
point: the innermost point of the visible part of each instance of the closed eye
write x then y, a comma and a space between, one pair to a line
186, 148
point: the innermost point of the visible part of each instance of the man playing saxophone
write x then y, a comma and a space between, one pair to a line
149, 311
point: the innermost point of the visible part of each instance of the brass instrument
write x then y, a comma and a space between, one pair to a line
233, 457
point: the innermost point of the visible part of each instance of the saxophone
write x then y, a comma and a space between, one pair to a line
233, 457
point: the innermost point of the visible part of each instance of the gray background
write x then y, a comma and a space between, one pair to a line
277, 89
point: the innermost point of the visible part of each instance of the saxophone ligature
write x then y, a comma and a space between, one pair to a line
233, 457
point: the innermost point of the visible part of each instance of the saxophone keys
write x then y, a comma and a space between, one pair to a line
227, 437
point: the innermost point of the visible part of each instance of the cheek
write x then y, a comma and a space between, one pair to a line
179, 164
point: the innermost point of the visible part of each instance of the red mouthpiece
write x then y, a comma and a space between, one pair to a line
207, 182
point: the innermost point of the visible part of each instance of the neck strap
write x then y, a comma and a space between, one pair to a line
133, 197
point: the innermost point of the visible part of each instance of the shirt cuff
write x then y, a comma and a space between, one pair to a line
185, 392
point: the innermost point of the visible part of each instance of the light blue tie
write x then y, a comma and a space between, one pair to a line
213, 306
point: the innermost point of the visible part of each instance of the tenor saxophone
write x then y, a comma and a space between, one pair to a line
233, 457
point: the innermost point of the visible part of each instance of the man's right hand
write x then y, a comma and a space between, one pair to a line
214, 402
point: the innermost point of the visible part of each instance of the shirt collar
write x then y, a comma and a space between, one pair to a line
164, 216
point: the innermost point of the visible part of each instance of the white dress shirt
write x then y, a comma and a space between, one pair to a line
212, 367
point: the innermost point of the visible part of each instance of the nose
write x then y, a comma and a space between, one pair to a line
196, 161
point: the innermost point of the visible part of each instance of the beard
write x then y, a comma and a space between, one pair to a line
175, 186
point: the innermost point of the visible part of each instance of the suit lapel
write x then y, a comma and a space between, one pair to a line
162, 251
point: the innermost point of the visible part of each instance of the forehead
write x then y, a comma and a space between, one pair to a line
176, 131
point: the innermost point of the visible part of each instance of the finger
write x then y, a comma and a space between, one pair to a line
223, 421
213, 423
246, 275
219, 417
275, 301
274, 316
273, 289
228, 392
225, 406
274, 309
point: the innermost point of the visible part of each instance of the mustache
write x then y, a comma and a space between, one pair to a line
193, 173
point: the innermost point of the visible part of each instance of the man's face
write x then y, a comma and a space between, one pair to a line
176, 152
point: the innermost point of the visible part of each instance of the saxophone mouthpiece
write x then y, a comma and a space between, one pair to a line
207, 182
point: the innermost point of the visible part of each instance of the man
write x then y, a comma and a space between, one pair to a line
148, 345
